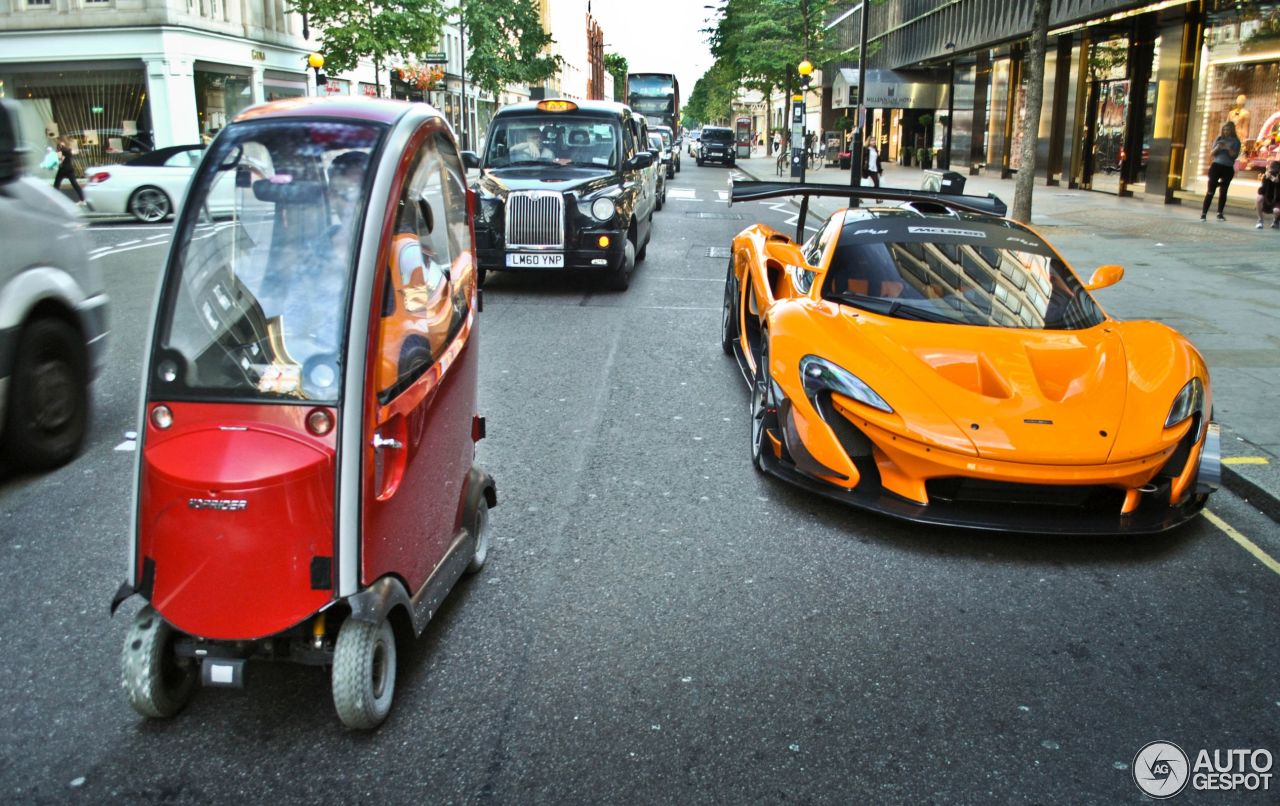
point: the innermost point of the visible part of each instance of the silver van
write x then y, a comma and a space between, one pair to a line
53, 312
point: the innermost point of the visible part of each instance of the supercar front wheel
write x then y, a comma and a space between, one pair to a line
762, 410
729, 312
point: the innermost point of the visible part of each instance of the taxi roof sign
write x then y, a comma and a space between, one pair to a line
557, 106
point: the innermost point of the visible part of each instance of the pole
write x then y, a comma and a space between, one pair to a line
462, 34
855, 167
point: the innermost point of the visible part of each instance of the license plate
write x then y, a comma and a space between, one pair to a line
535, 260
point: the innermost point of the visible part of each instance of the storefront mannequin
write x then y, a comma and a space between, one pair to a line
1240, 116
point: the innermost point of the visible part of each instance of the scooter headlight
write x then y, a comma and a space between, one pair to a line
821, 375
603, 209
1188, 402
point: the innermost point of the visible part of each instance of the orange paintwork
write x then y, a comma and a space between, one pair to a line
1048, 407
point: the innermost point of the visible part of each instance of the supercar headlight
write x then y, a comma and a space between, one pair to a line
1188, 402
603, 209
821, 375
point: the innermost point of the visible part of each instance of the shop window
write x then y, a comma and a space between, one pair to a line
39, 3
103, 114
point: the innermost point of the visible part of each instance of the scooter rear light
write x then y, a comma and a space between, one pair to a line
319, 422
161, 417
100, 176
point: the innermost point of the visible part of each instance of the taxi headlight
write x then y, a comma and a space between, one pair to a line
1188, 402
603, 209
820, 375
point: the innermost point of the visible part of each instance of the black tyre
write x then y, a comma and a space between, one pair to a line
660, 200
699, 163
729, 313
150, 204
364, 673
480, 528
761, 404
620, 277
48, 407
157, 682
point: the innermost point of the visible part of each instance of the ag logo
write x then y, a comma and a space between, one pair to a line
1160, 769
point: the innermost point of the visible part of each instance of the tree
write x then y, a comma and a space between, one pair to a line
615, 64
712, 98
506, 44
1024, 182
351, 30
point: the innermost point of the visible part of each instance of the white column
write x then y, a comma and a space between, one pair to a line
259, 91
171, 90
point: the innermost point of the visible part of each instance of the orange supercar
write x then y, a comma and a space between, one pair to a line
937, 363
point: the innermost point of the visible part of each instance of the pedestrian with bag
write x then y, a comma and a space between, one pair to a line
1269, 195
1222, 169
873, 168
67, 170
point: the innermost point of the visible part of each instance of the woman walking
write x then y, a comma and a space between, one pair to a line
1223, 168
67, 170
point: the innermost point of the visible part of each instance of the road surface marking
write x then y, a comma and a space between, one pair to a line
115, 250
128, 445
1245, 460
1245, 543
682, 194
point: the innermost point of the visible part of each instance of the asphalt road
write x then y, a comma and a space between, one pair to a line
658, 622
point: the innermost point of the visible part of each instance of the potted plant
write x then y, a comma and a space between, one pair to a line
924, 158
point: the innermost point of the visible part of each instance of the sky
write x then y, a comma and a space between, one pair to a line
657, 36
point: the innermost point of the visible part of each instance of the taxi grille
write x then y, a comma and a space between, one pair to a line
535, 218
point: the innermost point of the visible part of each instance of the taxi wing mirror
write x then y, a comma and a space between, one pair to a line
641, 160
470, 160
1105, 276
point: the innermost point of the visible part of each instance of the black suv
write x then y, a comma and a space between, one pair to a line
717, 146
565, 185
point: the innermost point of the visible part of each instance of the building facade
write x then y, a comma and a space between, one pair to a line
1135, 92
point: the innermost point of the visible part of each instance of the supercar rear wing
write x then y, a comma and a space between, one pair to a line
754, 191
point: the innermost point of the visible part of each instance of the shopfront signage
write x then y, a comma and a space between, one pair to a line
439, 57
258, 55
888, 89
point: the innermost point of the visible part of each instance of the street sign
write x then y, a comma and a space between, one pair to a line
436, 58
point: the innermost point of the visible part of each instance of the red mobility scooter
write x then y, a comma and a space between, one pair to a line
306, 483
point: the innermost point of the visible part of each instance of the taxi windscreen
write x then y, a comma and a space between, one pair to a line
254, 305
553, 139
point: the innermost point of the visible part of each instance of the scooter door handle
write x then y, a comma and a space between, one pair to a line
380, 442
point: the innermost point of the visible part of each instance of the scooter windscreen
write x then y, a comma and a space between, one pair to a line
255, 299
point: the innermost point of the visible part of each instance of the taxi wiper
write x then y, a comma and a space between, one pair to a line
891, 307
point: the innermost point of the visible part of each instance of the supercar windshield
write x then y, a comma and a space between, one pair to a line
553, 139
970, 272
254, 305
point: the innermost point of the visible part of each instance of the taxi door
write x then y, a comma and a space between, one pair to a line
418, 425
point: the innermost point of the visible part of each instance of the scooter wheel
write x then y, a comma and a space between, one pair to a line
364, 673
158, 682
480, 527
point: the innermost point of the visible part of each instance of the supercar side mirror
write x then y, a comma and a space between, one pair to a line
1105, 276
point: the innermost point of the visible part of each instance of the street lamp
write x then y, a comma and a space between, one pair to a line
316, 62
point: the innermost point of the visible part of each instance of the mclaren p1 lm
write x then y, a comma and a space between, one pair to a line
936, 362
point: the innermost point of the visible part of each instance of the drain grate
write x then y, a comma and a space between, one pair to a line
718, 251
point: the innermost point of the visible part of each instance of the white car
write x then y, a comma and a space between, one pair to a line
150, 186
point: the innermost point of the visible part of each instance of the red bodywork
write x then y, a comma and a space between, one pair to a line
236, 573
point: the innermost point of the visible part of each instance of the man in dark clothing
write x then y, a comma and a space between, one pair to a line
1269, 195
67, 170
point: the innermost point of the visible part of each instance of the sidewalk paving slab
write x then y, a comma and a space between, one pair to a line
1216, 282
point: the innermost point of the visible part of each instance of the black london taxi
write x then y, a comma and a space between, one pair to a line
565, 185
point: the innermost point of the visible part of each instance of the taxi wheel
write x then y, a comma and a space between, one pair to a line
157, 682
760, 394
480, 528
729, 313
48, 410
364, 673
150, 204
620, 277
662, 197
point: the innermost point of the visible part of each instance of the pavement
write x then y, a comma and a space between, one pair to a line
1216, 282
